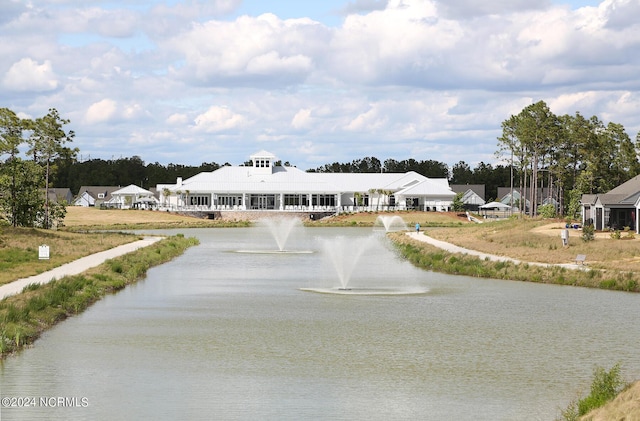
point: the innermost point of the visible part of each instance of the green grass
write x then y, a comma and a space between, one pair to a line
13, 257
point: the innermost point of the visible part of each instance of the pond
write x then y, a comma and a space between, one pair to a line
222, 333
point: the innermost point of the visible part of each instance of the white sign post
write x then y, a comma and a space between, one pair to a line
43, 252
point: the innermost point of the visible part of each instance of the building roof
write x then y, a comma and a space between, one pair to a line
94, 191
478, 189
242, 179
428, 187
231, 179
628, 187
470, 197
589, 199
264, 155
624, 195
132, 189
58, 194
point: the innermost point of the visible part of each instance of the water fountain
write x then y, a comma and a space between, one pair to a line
389, 223
353, 259
280, 230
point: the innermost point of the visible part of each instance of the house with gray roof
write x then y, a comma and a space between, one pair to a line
616, 209
472, 195
60, 195
265, 186
94, 195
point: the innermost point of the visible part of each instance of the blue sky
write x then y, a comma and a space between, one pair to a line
332, 12
192, 81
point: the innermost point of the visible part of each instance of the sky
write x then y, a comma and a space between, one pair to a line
314, 82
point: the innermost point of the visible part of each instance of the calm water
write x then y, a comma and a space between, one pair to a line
217, 334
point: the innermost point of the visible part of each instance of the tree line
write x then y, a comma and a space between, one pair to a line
569, 155
566, 156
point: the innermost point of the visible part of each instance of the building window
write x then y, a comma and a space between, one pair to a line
199, 200
295, 200
230, 200
324, 200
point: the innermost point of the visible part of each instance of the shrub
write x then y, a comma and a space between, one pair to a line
604, 387
588, 233
547, 211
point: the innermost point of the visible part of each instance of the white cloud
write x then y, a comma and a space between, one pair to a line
101, 111
27, 75
218, 119
302, 119
178, 119
369, 121
248, 47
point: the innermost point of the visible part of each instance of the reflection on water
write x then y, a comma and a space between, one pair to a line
216, 334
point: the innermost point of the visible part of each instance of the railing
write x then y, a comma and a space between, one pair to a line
286, 208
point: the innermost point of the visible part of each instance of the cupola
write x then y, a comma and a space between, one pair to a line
263, 162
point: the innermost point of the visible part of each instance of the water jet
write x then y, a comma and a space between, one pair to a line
389, 223
280, 229
356, 257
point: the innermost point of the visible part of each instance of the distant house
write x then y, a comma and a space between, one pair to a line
60, 195
132, 197
544, 196
616, 209
473, 195
94, 195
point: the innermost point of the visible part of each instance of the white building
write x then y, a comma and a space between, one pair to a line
132, 197
264, 186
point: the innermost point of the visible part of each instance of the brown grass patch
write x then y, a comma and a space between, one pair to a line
540, 241
79, 216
